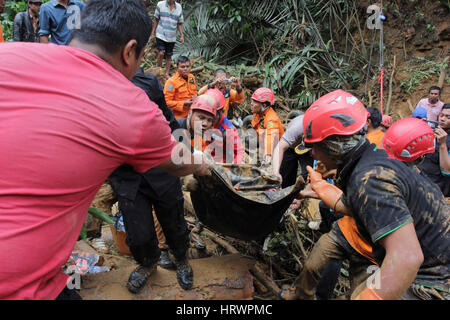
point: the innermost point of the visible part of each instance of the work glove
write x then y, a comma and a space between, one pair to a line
328, 193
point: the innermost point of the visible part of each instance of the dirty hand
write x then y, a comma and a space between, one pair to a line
295, 204
188, 102
441, 135
314, 177
181, 39
308, 192
152, 37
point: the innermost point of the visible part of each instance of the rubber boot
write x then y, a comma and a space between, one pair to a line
185, 275
165, 261
138, 278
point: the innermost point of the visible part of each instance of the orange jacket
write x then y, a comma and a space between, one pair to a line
177, 90
1, 34
232, 97
375, 137
268, 125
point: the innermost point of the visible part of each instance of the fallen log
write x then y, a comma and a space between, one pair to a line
197, 69
223, 243
259, 274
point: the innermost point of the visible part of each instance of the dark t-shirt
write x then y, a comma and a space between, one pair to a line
384, 194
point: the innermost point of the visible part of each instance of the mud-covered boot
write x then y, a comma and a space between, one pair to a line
185, 275
138, 278
165, 261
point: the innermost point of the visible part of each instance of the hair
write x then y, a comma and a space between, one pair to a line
182, 59
112, 24
375, 116
220, 70
446, 106
435, 88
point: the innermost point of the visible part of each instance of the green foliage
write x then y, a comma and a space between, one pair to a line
7, 17
418, 70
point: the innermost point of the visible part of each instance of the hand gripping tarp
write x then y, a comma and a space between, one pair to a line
242, 201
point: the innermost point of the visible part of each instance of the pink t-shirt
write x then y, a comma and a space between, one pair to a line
433, 110
67, 120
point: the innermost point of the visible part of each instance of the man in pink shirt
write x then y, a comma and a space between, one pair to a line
432, 104
69, 117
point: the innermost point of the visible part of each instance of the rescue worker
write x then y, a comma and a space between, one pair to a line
233, 97
201, 118
138, 193
400, 214
374, 132
181, 89
224, 134
266, 122
290, 152
436, 166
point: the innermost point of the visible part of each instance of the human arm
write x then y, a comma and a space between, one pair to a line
401, 263
170, 94
278, 155
330, 194
444, 159
180, 30
199, 168
155, 24
44, 25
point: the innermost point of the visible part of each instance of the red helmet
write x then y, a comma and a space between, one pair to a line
336, 113
408, 139
218, 96
264, 95
386, 121
205, 103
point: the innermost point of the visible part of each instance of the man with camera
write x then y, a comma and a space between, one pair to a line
233, 97
437, 165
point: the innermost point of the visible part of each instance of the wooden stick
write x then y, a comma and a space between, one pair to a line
390, 87
443, 74
259, 274
228, 247
410, 106
198, 69
196, 60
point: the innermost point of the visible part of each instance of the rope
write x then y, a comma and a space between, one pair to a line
381, 48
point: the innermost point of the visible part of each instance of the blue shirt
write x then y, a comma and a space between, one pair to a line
58, 22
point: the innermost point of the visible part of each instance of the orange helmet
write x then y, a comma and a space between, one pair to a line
264, 95
336, 113
408, 139
205, 103
218, 96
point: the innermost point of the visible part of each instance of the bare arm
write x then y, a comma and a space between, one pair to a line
191, 165
180, 29
155, 24
278, 155
400, 265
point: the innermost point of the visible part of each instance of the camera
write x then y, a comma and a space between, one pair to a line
432, 124
227, 81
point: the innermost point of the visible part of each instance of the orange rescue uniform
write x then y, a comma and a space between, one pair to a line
269, 126
177, 90
1, 34
375, 137
232, 98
